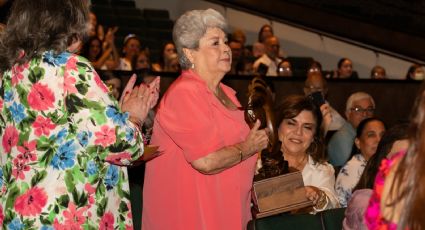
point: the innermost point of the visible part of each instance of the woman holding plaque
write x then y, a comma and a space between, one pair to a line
204, 176
302, 146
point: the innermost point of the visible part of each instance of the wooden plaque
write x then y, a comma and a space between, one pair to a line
279, 194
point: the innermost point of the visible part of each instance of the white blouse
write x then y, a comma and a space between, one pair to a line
321, 176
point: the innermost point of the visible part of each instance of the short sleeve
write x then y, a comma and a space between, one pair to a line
186, 115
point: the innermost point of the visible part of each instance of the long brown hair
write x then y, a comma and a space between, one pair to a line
294, 105
36, 26
408, 184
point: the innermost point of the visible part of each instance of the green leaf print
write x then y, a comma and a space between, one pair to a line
39, 176
36, 74
13, 193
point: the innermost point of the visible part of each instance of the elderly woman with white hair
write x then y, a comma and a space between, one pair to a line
203, 178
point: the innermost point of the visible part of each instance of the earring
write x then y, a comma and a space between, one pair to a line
193, 66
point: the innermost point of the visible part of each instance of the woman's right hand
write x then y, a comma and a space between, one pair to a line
256, 140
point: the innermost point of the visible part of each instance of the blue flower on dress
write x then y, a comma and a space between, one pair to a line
1, 177
8, 96
16, 224
17, 111
83, 137
60, 136
129, 134
117, 117
91, 168
55, 60
111, 178
64, 157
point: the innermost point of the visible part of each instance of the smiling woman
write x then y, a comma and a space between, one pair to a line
300, 132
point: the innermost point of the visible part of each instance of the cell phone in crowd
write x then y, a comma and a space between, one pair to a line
317, 98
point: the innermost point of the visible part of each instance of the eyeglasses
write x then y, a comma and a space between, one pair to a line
361, 110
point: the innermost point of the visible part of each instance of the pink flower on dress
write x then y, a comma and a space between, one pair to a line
42, 126
10, 138
105, 137
1, 104
31, 203
17, 73
74, 219
118, 157
69, 84
27, 151
19, 169
41, 97
100, 83
90, 189
107, 222
57, 225
1, 215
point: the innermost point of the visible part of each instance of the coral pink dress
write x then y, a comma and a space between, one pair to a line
373, 217
190, 124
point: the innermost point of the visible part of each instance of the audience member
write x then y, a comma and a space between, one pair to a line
102, 59
95, 29
247, 67
393, 140
397, 201
237, 56
378, 72
284, 68
415, 72
65, 140
345, 70
315, 82
132, 46
360, 106
368, 135
112, 82
258, 49
204, 176
315, 66
271, 58
299, 121
265, 32
141, 61
165, 59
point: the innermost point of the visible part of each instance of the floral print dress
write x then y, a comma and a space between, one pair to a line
63, 144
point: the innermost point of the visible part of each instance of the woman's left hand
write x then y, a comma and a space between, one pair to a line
317, 196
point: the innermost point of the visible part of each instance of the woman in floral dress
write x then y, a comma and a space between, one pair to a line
64, 139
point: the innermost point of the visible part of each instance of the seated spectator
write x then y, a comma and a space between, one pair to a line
165, 57
239, 35
258, 49
95, 29
284, 68
299, 122
315, 82
368, 135
237, 55
172, 64
265, 32
141, 61
315, 66
360, 106
271, 58
345, 70
132, 46
107, 59
378, 72
393, 141
415, 72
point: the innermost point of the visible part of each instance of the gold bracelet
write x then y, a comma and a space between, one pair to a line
240, 153
322, 201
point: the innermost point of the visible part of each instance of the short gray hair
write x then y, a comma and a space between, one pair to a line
356, 97
191, 27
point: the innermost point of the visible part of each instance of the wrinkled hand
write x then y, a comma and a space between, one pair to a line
325, 109
140, 99
256, 140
